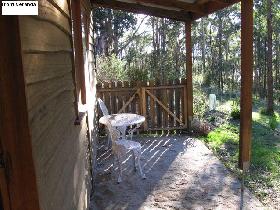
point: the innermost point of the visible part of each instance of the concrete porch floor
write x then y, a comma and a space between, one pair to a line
182, 173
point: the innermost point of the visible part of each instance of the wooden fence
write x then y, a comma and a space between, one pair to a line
163, 105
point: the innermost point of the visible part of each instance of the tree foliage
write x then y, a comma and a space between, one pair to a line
158, 52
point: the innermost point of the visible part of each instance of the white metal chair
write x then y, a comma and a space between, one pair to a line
105, 112
120, 146
103, 107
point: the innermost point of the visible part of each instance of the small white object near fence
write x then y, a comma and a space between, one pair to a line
212, 102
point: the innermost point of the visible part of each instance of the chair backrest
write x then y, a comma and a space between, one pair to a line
103, 107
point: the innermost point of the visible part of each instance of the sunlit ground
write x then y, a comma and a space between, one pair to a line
264, 176
182, 173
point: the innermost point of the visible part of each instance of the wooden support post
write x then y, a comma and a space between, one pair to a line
189, 86
78, 48
246, 83
144, 107
15, 137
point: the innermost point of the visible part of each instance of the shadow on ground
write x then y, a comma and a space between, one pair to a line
182, 173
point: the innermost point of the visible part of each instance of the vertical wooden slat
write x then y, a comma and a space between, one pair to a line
119, 96
181, 117
113, 98
177, 102
167, 105
246, 83
78, 48
185, 96
100, 95
144, 106
152, 107
107, 97
171, 103
188, 30
158, 108
15, 134
165, 102
126, 98
135, 102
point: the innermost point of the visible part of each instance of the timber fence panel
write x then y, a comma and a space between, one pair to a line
163, 104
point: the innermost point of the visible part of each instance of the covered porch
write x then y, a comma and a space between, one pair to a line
188, 11
182, 173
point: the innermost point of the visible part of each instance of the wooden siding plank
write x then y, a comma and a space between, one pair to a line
48, 12
40, 67
62, 5
47, 37
14, 132
43, 118
57, 161
39, 92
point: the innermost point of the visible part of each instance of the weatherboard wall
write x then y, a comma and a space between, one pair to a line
59, 147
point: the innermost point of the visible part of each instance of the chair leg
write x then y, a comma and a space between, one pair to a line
120, 168
137, 154
108, 140
134, 160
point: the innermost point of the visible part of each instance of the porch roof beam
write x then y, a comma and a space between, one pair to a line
176, 9
190, 7
142, 9
213, 6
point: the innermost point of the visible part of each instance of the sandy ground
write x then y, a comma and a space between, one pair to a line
182, 173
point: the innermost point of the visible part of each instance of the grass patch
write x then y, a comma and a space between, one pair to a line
264, 175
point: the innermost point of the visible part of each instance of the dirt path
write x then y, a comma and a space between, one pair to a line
182, 173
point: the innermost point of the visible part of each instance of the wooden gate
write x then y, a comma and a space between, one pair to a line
163, 105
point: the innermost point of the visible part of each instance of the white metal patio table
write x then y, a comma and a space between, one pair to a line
122, 121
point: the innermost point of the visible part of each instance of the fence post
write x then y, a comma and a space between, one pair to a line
143, 106
185, 96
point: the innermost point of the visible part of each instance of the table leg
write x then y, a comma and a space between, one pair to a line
132, 130
122, 130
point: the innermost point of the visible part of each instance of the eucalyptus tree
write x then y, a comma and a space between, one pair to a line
269, 59
109, 27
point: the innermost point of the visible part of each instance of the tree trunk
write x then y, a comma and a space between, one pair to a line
220, 61
269, 60
203, 46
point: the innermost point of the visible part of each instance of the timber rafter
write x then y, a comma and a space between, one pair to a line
176, 9
143, 9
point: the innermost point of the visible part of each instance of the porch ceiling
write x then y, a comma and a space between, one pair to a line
181, 10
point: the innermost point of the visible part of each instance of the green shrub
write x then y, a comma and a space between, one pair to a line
262, 111
200, 102
111, 68
235, 111
212, 119
273, 122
